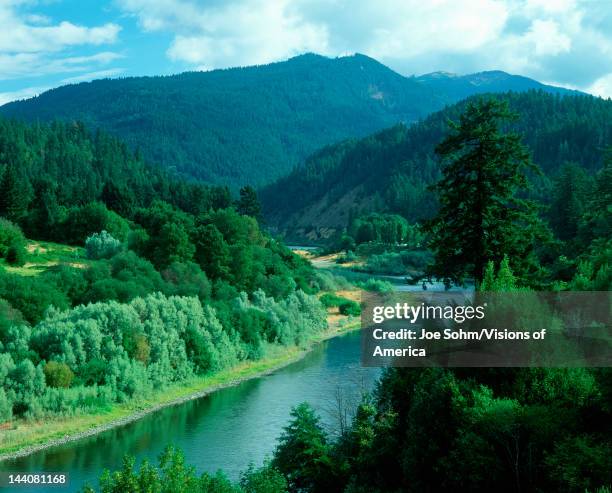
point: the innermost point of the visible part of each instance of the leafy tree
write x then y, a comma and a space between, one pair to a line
12, 243
267, 479
481, 217
101, 245
58, 374
93, 218
212, 252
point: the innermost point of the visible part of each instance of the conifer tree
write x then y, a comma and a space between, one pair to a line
248, 204
14, 194
481, 216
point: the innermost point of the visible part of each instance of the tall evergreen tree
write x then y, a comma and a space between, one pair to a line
573, 188
248, 204
481, 216
14, 194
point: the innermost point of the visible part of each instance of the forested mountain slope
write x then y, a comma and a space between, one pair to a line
164, 280
253, 124
390, 170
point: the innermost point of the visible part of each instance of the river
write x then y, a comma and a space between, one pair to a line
227, 429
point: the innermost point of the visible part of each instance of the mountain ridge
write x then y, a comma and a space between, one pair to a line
249, 124
390, 170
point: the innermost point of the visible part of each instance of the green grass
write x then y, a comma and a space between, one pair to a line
42, 255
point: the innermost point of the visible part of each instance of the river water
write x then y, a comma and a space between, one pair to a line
227, 429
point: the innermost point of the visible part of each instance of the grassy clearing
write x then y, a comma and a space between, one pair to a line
42, 255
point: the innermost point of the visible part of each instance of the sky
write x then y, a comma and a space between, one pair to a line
48, 43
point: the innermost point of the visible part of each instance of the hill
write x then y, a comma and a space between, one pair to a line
390, 170
254, 124
453, 87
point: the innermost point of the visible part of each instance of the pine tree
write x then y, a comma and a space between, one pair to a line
14, 194
481, 218
572, 190
248, 204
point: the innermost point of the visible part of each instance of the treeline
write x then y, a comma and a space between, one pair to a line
49, 173
174, 282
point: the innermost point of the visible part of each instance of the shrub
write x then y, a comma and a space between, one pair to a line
58, 374
102, 245
376, 286
330, 300
349, 256
349, 307
345, 307
10, 236
16, 253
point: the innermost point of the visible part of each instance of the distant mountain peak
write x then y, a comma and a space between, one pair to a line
440, 74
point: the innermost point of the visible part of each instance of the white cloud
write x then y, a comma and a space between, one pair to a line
25, 34
15, 66
602, 86
99, 74
547, 39
33, 45
28, 92
241, 33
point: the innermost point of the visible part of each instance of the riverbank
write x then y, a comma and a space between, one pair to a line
25, 438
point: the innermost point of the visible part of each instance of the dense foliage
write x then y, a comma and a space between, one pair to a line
253, 124
173, 475
391, 171
173, 283
60, 182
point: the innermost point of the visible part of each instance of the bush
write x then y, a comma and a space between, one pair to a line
416, 259
326, 281
16, 254
58, 374
330, 300
376, 286
349, 307
11, 238
102, 245
386, 263
348, 257
345, 307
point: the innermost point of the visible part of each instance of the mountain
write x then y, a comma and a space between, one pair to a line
390, 170
453, 87
254, 124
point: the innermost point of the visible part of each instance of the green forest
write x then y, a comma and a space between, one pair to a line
157, 280
337, 184
253, 124
459, 429
119, 278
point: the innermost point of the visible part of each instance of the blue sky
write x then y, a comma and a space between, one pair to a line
47, 43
